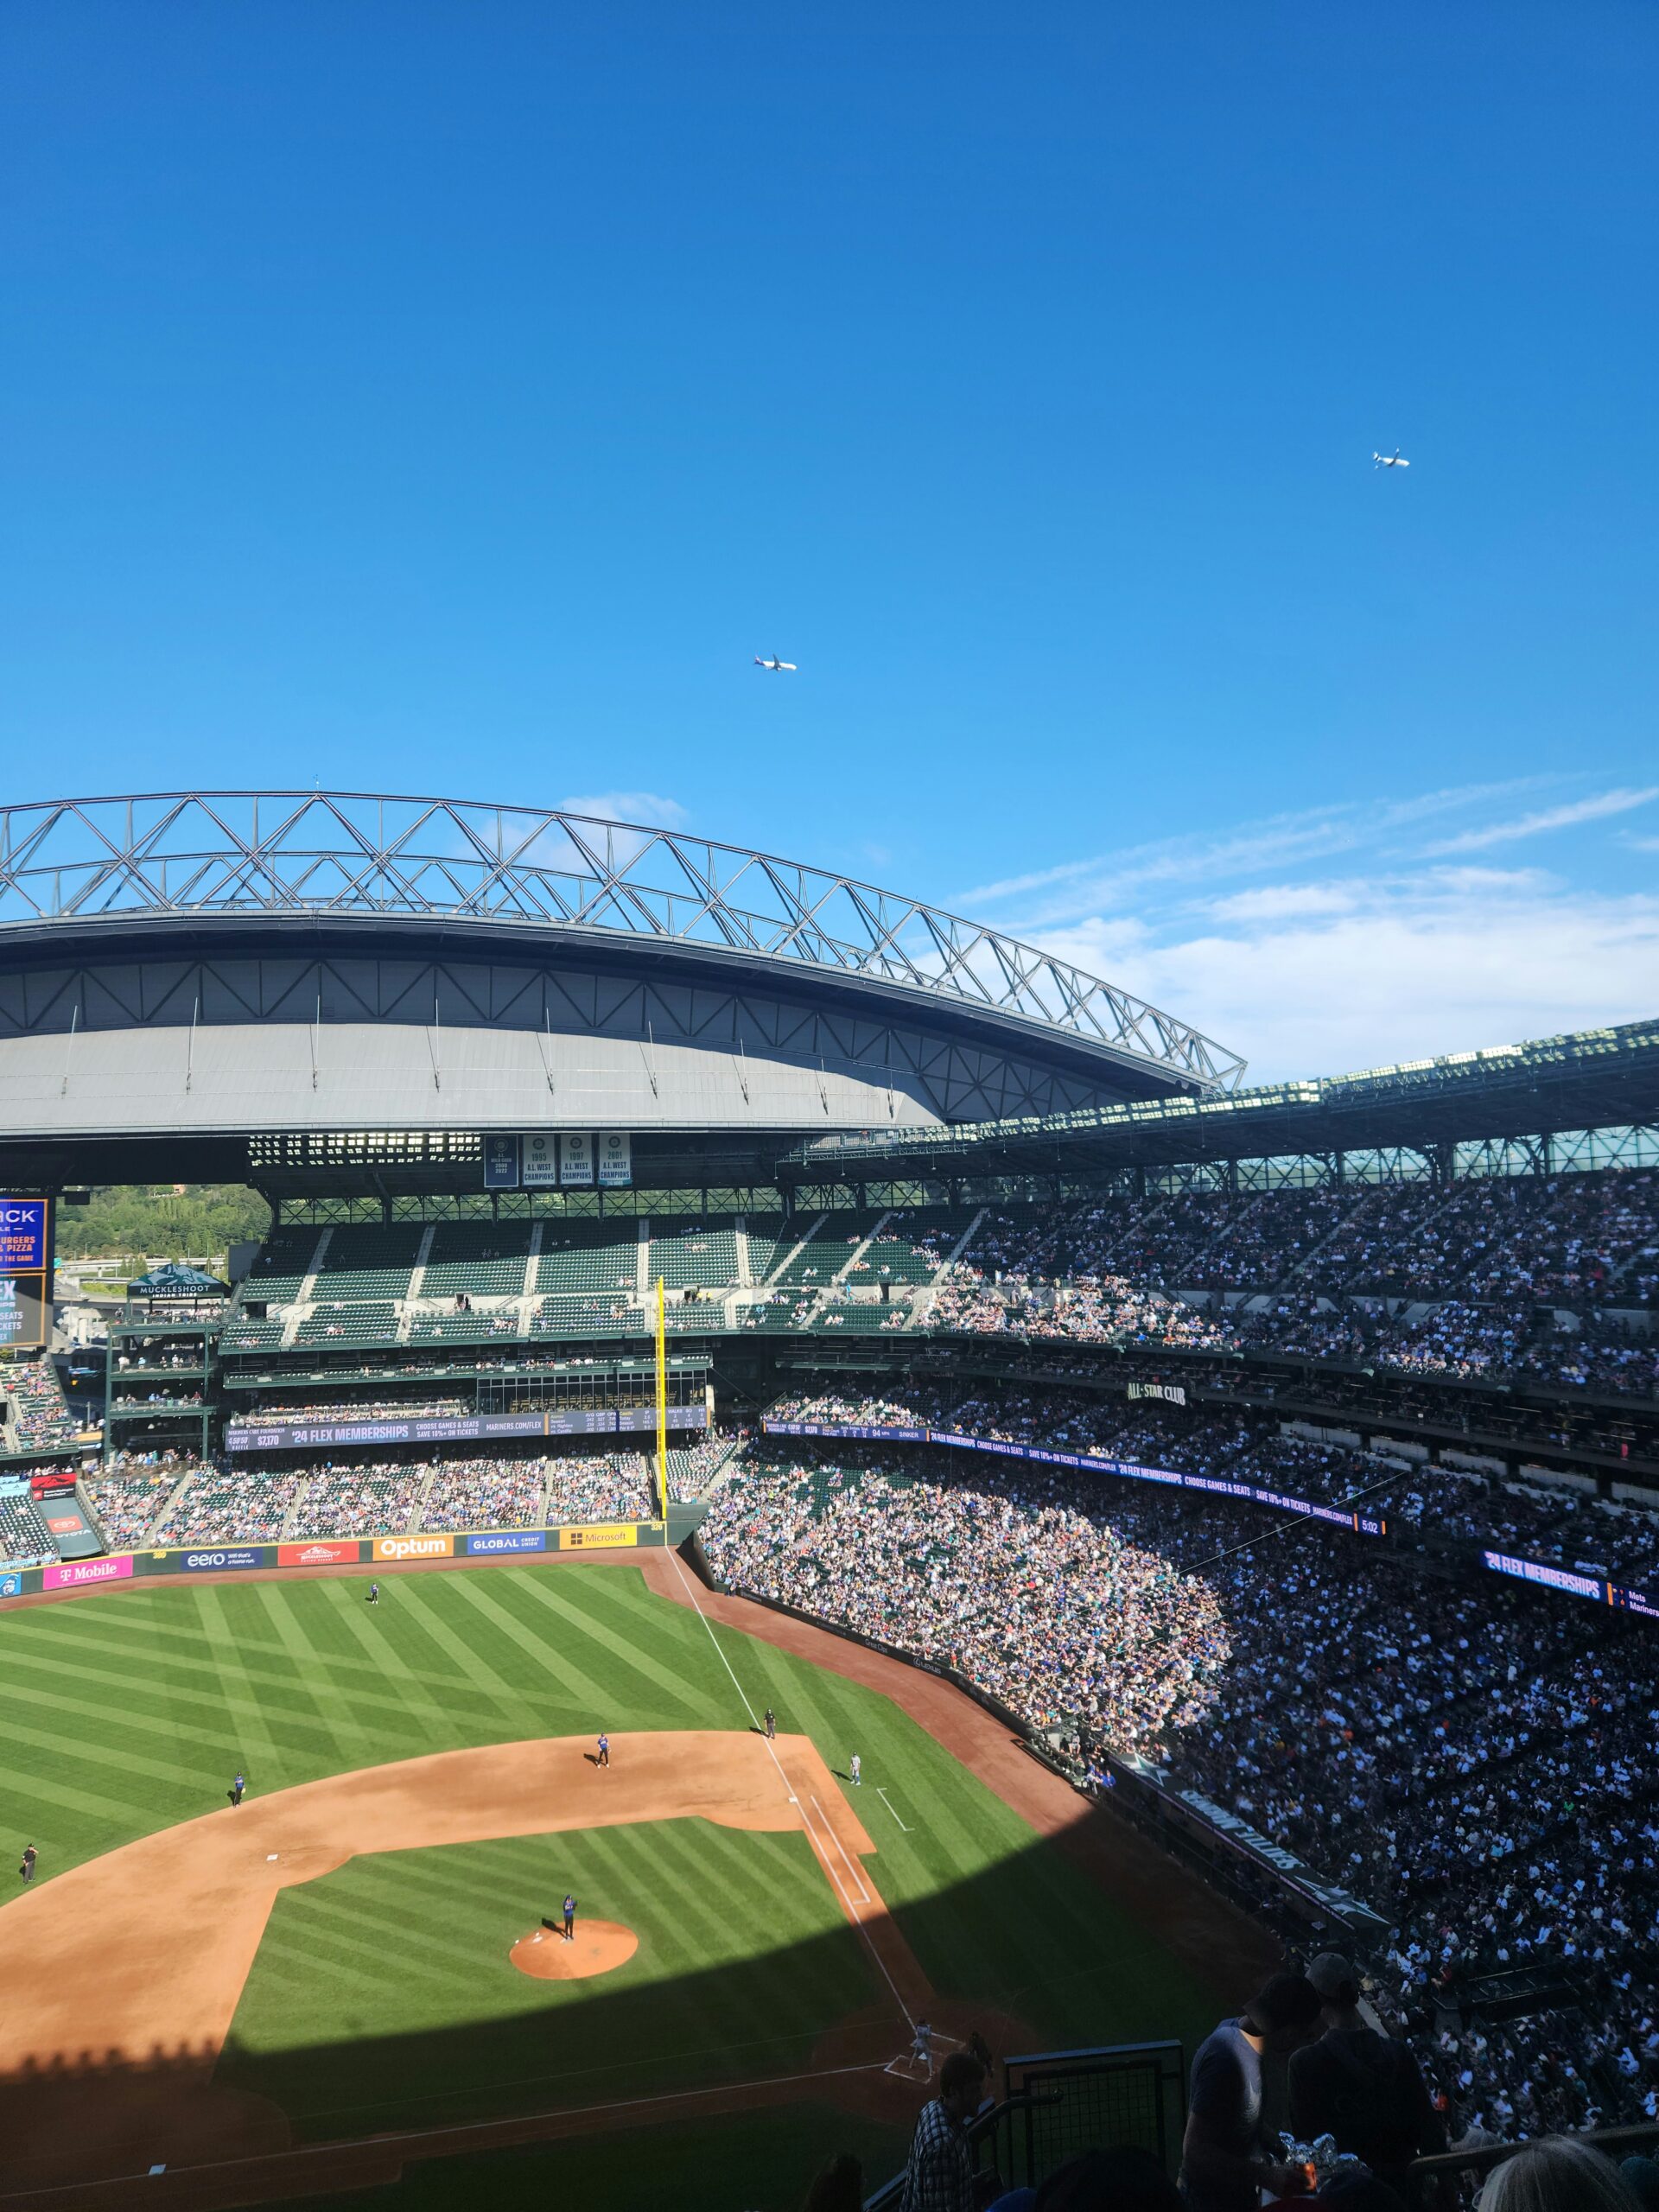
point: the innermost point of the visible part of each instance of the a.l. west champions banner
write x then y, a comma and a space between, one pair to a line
576, 1160
540, 1154
615, 1160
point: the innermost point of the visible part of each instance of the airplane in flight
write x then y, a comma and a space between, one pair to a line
1390, 460
777, 666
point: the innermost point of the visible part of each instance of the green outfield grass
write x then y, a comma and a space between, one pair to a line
126, 1711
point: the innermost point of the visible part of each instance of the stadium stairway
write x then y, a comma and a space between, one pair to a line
858, 1251
417, 1275
786, 1258
744, 1267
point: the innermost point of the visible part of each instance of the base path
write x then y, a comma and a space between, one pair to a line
1219, 1945
119, 1979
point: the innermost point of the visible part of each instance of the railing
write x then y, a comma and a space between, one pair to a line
1614, 2142
1061, 2103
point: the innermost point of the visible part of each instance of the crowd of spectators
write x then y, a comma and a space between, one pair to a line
1492, 1277
1476, 1764
38, 1419
217, 1507
23, 1538
1557, 1522
486, 1494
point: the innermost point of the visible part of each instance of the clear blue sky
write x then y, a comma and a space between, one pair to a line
456, 397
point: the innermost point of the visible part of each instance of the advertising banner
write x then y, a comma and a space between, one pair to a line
500, 1163
577, 1161
71, 1576
1340, 1517
506, 1540
25, 1316
539, 1160
282, 1436
612, 1536
402, 1548
23, 1236
12, 1583
615, 1160
51, 1483
221, 1560
344, 1551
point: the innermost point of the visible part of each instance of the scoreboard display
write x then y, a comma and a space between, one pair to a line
25, 1274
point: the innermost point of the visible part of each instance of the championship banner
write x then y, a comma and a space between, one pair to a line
577, 1161
539, 1155
616, 1160
500, 1163
613, 1536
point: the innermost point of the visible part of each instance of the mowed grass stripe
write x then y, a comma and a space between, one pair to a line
312, 1681
425, 1606
561, 1677
610, 1646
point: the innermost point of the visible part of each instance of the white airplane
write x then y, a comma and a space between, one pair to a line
776, 665
1390, 460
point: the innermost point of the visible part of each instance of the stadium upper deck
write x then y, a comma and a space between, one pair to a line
217, 966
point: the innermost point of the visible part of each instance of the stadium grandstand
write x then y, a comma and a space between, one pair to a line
1283, 1460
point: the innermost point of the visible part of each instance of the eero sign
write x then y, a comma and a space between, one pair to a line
217, 1562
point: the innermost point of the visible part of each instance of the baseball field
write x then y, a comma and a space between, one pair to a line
352, 1974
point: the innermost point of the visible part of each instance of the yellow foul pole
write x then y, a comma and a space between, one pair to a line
662, 1401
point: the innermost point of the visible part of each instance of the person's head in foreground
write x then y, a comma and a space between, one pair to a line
1284, 2014
1557, 2174
962, 2081
839, 2188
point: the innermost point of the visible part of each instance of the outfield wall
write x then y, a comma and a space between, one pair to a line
121, 1568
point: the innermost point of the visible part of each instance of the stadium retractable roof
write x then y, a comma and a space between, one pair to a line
198, 964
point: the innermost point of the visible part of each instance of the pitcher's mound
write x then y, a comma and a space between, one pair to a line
597, 1946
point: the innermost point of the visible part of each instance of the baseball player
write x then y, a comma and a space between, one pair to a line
855, 1770
604, 1750
374, 1593
570, 1916
771, 1725
921, 2047
238, 1788
27, 1870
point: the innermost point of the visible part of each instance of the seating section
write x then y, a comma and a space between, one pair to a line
279, 1268
251, 1336
126, 1504
462, 1328
363, 1262
825, 1250
24, 1539
37, 1420
588, 1259
358, 1500
372, 1321
912, 1246
592, 1316
697, 1253
213, 1508
483, 1259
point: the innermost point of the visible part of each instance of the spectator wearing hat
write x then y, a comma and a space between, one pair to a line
1226, 2160
1364, 2088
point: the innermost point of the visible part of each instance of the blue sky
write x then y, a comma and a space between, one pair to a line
455, 397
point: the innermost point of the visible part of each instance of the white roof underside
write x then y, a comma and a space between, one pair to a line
284, 1076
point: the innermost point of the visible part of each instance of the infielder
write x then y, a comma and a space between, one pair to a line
604, 1750
855, 1771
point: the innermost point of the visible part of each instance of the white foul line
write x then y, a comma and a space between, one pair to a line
841, 1848
828, 1864
887, 1802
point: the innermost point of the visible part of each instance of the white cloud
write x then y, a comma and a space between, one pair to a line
1394, 969
650, 808
1078, 888
1596, 809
